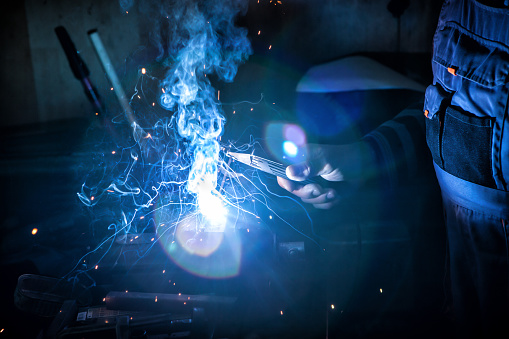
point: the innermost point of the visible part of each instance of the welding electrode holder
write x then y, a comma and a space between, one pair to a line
79, 68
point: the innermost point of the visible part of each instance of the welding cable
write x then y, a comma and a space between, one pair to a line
79, 68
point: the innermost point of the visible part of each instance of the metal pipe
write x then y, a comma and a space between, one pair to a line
112, 75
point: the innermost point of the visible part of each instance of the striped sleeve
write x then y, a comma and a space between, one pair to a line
400, 147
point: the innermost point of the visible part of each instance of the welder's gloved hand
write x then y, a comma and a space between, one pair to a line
351, 162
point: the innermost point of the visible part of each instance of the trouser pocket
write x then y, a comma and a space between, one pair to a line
433, 136
465, 147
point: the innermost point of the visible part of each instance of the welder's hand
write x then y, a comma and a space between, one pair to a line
350, 162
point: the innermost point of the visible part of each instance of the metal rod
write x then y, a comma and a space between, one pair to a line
112, 75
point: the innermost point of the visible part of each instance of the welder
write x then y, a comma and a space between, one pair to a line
466, 123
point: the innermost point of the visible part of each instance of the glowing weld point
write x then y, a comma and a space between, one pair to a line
332, 306
148, 136
143, 71
252, 109
212, 208
2, 330
92, 198
126, 12
270, 216
259, 32
233, 112
281, 312
111, 88
113, 152
380, 290
126, 291
96, 267
142, 217
270, 47
180, 293
164, 271
96, 113
34, 231
156, 299
104, 299
152, 239
153, 104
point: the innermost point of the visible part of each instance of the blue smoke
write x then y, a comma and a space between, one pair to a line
204, 40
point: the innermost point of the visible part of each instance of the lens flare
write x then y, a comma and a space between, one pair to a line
290, 149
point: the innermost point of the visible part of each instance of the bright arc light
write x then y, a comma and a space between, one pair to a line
213, 209
290, 148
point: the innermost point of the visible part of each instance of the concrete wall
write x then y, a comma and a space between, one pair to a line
35, 71
37, 84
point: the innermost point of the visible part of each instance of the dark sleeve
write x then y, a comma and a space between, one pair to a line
399, 146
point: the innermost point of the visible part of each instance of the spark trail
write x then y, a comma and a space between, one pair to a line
167, 176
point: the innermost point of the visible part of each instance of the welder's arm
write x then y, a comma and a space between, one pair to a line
393, 153
354, 163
